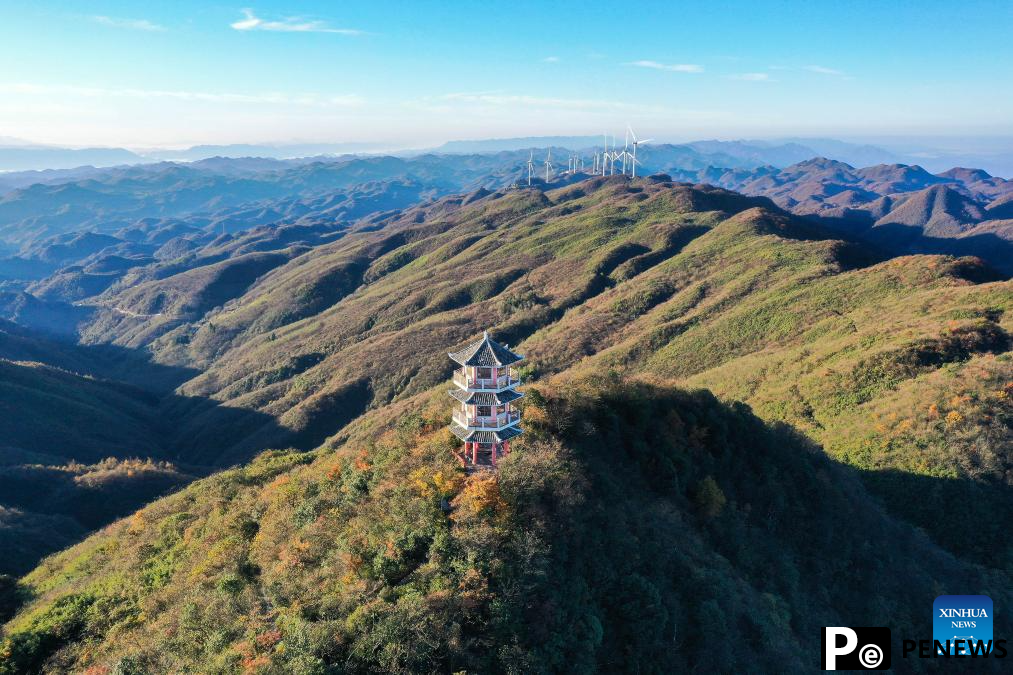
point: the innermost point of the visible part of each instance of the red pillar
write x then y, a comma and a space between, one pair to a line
495, 447
474, 454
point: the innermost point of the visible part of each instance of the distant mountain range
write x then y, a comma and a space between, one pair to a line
902, 208
743, 153
997, 158
22, 158
522, 143
282, 151
16, 156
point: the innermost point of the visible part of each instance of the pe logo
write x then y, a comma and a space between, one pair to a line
964, 620
856, 648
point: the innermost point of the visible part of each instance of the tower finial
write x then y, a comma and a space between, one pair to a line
485, 334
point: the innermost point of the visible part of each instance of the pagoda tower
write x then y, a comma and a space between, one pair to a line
485, 391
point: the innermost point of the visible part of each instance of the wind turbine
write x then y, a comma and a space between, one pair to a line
548, 165
605, 154
531, 166
625, 153
635, 144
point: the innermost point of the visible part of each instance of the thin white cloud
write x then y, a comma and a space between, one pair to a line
129, 24
670, 67
274, 98
752, 77
821, 70
499, 99
289, 24
551, 59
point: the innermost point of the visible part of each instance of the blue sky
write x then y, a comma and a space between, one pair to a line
418, 73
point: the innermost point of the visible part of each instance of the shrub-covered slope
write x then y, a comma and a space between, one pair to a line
66, 448
636, 528
356, 322
895, 366
70, 443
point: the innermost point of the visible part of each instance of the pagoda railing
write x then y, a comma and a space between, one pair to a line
501, 382
497, 422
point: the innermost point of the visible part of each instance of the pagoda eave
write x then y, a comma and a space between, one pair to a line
486, 435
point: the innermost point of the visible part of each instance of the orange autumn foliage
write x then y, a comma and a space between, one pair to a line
481, 497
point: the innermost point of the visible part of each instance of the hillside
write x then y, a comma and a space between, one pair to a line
78, 450
635, 529
697, 285
119, 199
318, 338
938, 211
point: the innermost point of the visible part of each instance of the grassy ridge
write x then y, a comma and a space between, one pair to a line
635, 529
874, 359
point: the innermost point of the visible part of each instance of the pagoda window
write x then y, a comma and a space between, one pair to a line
484, 411
485, 373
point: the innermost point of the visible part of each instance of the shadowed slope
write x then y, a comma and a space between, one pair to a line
634, 529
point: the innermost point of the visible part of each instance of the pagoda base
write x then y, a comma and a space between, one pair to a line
482, 455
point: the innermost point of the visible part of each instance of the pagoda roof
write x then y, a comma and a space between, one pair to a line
470, 436
485, 397
485, 352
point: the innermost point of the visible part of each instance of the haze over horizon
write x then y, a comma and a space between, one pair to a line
123, 74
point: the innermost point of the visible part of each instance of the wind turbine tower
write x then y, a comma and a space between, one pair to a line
605, 154
548, 165
625, 152
531, 166
635, 144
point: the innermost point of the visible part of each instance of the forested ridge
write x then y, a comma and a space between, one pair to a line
637, 528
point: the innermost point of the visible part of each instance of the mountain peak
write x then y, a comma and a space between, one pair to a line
938, 210
965, 175
822, 163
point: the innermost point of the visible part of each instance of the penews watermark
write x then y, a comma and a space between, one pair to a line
961, 629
